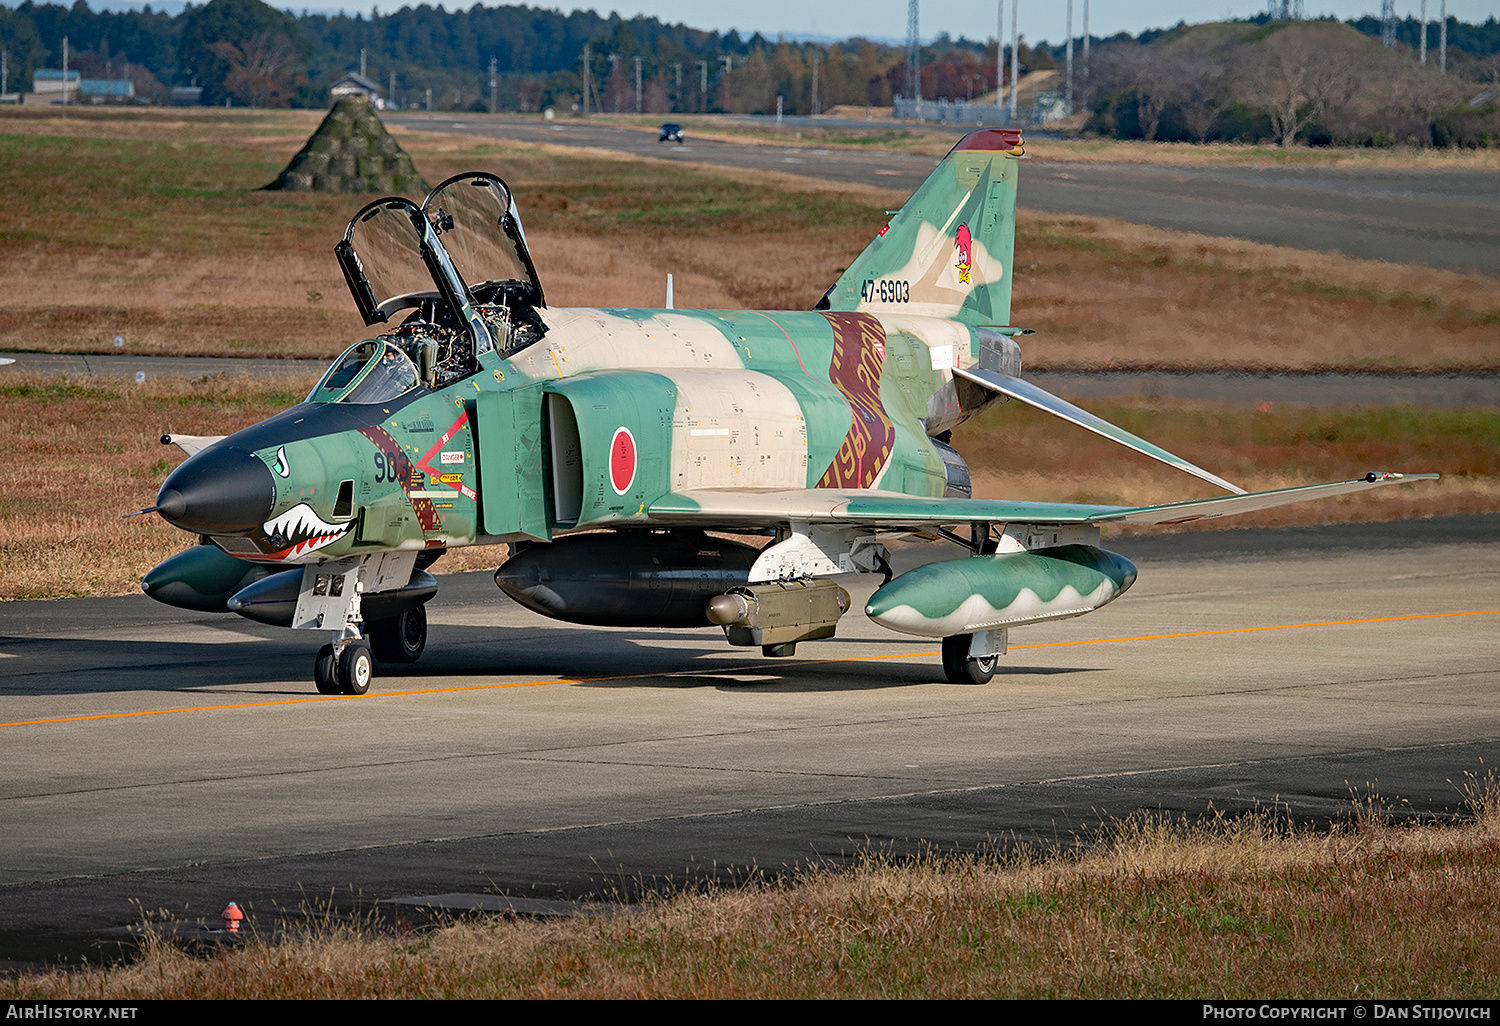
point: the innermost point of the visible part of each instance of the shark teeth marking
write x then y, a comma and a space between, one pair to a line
299, 531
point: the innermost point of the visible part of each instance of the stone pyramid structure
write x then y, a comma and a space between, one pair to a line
351, 152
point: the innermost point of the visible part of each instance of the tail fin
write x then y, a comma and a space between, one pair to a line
947, 252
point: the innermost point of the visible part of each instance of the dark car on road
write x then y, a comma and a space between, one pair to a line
670, 132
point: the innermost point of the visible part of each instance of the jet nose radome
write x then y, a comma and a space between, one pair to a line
218, 491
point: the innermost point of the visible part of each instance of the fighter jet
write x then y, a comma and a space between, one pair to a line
617, 450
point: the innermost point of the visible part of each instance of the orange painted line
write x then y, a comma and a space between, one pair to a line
1274, 627
799, 662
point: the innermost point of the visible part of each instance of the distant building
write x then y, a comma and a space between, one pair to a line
52, 85
106, 90
352, 83
185, 96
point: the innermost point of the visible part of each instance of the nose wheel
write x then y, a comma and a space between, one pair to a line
345, 672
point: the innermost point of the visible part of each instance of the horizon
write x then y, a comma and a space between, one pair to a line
885, 20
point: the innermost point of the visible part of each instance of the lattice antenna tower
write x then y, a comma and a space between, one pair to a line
1388, 23
914, 53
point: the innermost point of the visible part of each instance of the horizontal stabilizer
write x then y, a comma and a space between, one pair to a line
1026, 392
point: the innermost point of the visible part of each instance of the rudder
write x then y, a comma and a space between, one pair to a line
947, 252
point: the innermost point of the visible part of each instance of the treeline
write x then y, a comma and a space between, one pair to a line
1316, 83
244, 51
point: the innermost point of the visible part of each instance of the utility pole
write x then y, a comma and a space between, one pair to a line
493, 63
1443, 37
703, 81
677, 96
65, 76
637, 83
815, 109
1068, 97
1085, 89
1388, 23
390, 93
1015, 56
1423, 49
361, 62
913, 56
1000, 55
588, 60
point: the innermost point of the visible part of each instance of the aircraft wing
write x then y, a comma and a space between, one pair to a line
1026, 392
726, 508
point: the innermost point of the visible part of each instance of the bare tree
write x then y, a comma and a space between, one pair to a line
1303, 71
1130, 68
261, 74
1205, 87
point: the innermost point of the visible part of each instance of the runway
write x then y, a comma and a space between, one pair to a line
1437, 217
183, 760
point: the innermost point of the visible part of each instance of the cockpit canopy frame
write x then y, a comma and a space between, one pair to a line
464, 245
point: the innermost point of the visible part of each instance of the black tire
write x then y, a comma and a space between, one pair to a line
401, 638
325, 672
959, 668
356, 667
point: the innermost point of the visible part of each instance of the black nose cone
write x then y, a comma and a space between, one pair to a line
219, 491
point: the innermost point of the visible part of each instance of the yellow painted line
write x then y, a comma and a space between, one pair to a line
710, 673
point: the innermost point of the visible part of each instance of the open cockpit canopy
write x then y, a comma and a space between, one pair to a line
463, 246
476, 220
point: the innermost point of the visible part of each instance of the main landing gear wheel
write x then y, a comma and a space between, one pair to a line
960, 668
325, 672
356, 667
401, 638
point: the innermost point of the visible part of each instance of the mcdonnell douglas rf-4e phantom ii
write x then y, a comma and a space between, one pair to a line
608, 446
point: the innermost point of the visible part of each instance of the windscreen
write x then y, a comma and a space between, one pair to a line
371, 371
390, 254
469, 215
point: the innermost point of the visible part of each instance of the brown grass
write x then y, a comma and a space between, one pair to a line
1229, 907
157, 235
78, 455
1019, 453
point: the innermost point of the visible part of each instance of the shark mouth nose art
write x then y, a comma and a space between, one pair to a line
299, 531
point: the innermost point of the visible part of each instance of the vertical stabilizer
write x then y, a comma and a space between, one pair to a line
947, 252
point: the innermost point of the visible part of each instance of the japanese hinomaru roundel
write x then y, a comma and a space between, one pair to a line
612, 449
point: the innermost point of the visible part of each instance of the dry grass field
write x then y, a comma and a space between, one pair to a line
157, 234
1232, 908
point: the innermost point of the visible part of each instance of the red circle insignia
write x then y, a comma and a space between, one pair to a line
622, 461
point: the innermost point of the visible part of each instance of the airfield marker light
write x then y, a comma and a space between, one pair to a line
140, 377
119, 341
232, 917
